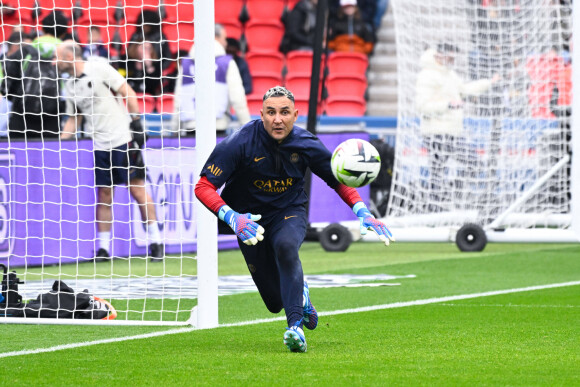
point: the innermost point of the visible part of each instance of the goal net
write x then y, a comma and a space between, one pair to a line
483, 122
55, 211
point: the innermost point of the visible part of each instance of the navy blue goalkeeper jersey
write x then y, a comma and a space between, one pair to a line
262, 176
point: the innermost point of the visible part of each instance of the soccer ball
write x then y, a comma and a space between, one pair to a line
355, 163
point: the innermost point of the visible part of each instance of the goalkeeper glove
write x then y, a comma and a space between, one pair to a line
368, 221
244, 225
137, 132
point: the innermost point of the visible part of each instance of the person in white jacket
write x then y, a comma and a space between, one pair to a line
229, 89
439, 102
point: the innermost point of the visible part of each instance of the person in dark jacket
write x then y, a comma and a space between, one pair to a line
300, 26
233, 48
349, 32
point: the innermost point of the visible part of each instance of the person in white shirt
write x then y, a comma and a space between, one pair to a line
230, 92
95, 92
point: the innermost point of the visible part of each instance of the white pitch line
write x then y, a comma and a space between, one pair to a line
330, 313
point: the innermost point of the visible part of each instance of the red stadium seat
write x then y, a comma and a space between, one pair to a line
352, 85
264, 61
179, 35
345, 106
264, 34
265, 9
62, 5
299, 62
298, 84
98, 12
179, 11
233, 28
24, 9
291, 4
347, 63
132, 8
146, 103
228, 10
254, 103
166, 104
301, 104
264, 81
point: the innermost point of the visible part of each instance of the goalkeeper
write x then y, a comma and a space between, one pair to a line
262, 166
94, 91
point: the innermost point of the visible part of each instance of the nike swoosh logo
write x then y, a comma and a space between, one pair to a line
256, 159
288, 217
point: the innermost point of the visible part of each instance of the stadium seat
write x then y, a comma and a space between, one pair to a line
24, 10
298, 84
264, 34
265, 9
264, 81
264, 61
132, 8
179, 11
352, 85
98, 12
299, 62
62, 5
301, 104
228, 10
291, 3
254, 103
347, 63
146, 103
233, 28
179, 35
166, 104
345, 106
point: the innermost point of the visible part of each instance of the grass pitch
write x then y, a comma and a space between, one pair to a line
524, 338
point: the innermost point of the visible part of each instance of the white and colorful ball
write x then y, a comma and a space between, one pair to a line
355, 163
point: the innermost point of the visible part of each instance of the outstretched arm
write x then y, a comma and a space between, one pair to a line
244, 225
367, 221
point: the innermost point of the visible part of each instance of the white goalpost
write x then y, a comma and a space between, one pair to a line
483, 141
48, 231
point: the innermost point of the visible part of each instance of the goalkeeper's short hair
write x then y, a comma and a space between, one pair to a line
278, 91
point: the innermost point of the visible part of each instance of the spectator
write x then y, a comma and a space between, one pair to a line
149, 30
300, 26
382, 7
349, 32
55, 27
439, 93
34, 114
142, 69
11, 46
95, 45
233, 49
370, 10
229, 88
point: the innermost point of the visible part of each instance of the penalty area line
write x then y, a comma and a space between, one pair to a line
329, 313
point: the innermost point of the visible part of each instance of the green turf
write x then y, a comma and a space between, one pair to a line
528, 338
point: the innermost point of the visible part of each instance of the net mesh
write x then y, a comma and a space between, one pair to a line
484, 101
48, 192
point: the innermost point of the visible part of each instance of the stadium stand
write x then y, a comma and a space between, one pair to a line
346, 85
264, 81
264, 34
265, 9
348, 63
345, 106
179, 11
228, 10
234, 28
260, 61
